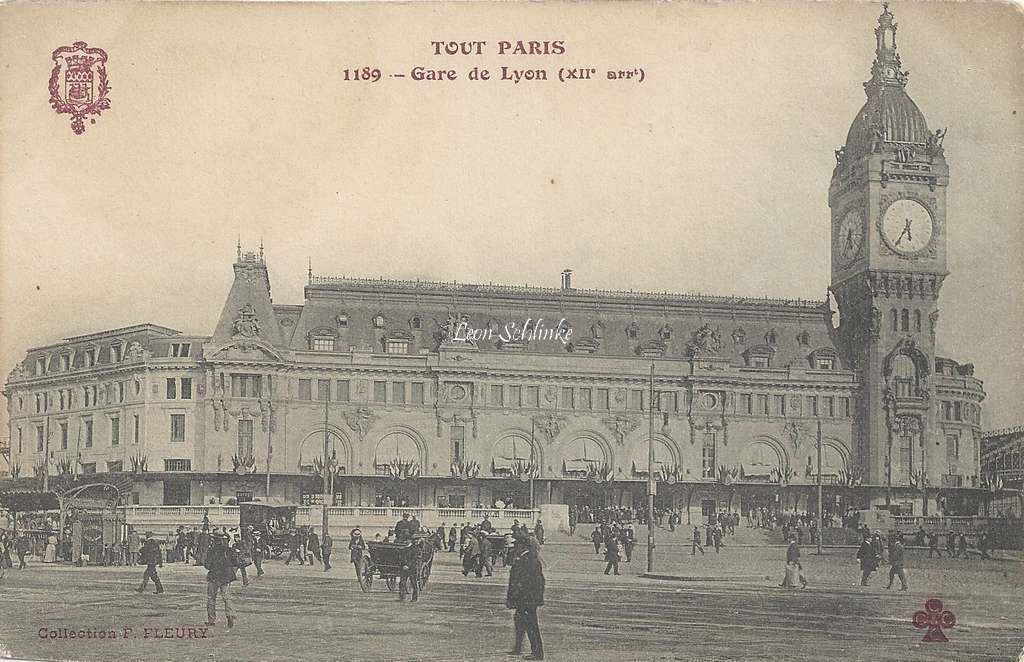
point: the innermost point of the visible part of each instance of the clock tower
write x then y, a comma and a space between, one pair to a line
888, 202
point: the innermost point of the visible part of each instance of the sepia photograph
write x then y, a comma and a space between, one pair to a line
457, 331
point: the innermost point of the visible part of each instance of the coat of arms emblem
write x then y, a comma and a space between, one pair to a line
78, 83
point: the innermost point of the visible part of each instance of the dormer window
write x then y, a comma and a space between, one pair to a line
632, 331
65, 362
397, 342
759, 356
323, 344
379, 321
597, 330
416, 323
804, 338
823, 358
115, 353
41, 366
665, 332
342, 320
90, 358
180, 349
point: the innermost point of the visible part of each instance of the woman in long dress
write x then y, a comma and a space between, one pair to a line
50, 554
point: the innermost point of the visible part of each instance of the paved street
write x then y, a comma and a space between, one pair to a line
735, 611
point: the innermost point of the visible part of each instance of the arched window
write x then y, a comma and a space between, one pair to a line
905, 320
894, 319
917, 321
905, 376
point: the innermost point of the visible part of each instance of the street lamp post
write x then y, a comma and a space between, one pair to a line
820, 531
326, 467
651, 485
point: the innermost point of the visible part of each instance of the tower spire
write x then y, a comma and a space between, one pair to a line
238, 248
886, 69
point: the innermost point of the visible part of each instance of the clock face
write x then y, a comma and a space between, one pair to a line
907, 226
851, 236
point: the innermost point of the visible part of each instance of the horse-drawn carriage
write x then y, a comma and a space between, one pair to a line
272, 518
385, 560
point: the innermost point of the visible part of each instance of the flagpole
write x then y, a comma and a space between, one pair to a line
650, 478
533, 433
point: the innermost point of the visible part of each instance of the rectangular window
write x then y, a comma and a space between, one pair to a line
952, 446
63, 435
65, 362
398, 393
602, 399
762, 404
904, 388
177, 427
120, 391
245, 437
497, 395
341, 388
906, 460
830, 406
812, 405
114, 466
825, 363
533, 396
568, 398
40, 366
177, 465
115, 353
90, 358
40, 436
305, 386
323, 390
88, 432
957, 411
396, 347
458, 443
417, 394
780, 404
172, 388
586, 401
180, 349
844, 407
115, 430
380, 391
707, 459
759, 362
746, 403
636, 399
186, 388
135, 427
515, 396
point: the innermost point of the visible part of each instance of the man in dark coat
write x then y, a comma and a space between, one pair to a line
485, 556
611, 554
326, 547
525, 594
442, 536
220, 564
294, 545
453, 539
151, 557
538, 532
595, 537
896, 564
259, 551
403, 529
486, 525
696, 543
868, 559
313, 545
933, 545
628, 538
21, 547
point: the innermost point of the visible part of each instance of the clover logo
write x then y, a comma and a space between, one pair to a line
935, 619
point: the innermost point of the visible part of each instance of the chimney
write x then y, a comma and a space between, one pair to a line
567, 279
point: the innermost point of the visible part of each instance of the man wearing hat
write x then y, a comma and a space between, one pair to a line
525, 594
220, 563
403, 529
150, 555
326, 547
259, 549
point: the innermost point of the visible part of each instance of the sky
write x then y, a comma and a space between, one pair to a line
710, 176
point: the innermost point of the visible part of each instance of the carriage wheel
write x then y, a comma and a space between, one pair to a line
365, 578
424, 574
391, 583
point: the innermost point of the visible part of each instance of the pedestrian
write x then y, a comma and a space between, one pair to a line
220, 564
572, 522
294, 545
794, 570
242, 556
961, 546
984, 545
896, 564
951, 544
485, 555
134, 547
259, 551
696, 543
933, 545
442, 536
595, 537
313, 545
409, 575
357, 551
326, 546
868, 560
471, 556
453, 538
717, 537
538, 532
628, 538
525, 594
151, 557
611, 554
672, 522
21, 547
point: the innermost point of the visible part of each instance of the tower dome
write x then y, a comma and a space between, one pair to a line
889, 119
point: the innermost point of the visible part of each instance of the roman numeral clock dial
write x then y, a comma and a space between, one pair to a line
907, 227
851, 236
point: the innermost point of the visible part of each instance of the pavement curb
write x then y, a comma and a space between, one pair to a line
692, 578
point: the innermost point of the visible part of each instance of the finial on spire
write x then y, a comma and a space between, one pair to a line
310, 273
261, 249
238, 248
886, 68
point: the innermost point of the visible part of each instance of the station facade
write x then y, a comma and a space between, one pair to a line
448, 394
